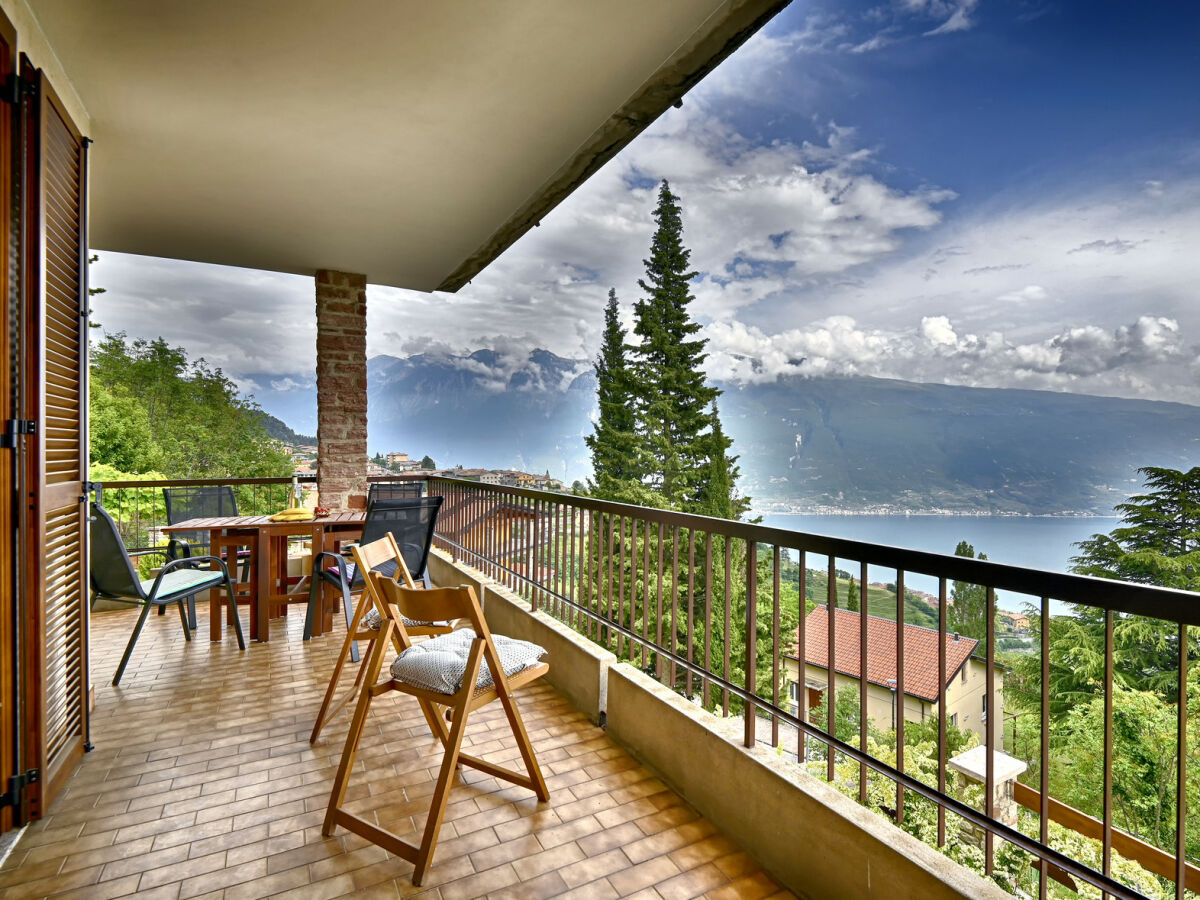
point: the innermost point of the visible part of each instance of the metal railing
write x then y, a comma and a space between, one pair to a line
712, 608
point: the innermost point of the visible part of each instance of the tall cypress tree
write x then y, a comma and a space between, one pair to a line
613, 442
673, 398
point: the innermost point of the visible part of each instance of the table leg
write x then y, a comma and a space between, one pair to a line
214, 594
260, 623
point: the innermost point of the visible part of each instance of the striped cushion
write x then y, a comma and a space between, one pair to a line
440, 664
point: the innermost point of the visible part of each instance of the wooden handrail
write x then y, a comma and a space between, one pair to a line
1146, 855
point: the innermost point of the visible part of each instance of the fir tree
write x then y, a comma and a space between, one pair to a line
673, 399
613, 441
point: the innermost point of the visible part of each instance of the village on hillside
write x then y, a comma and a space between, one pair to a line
396, 463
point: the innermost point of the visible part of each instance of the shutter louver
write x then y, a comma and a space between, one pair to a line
55, 236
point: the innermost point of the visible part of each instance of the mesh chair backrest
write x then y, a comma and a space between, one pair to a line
110, 568
204, 502
411, 522
392, 490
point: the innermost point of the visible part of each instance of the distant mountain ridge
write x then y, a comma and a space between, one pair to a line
806, 444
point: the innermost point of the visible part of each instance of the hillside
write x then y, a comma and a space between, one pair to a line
279, 430
816, 444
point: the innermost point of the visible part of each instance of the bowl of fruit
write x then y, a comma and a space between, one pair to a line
320, 512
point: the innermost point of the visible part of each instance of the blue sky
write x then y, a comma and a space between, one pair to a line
998, 194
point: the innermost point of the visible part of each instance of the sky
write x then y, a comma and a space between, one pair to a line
973, 192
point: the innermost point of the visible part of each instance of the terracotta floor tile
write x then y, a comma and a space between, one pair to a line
203, 785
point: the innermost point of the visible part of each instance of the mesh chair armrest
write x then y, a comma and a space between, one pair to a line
178, 548
189, 562
318, 568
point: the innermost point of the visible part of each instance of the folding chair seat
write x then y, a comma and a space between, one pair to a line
458, 673
382, 557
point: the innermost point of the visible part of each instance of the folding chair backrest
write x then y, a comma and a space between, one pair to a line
411, 522
110, 568
393, 490
433, 604
198, 502
369, 557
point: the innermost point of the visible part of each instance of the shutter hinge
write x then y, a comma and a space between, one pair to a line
17, 785
14, 86
13, 428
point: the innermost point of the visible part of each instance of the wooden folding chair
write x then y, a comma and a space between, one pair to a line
383, 554
434, 694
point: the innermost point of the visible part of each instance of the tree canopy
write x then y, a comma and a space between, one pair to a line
968, 602
153, 409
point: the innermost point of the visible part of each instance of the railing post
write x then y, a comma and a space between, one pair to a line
751, 637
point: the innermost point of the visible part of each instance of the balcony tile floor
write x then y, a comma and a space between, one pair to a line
203, 784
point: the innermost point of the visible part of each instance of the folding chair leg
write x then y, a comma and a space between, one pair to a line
348, 645
192, 611
354, 735
137, 629
441, 794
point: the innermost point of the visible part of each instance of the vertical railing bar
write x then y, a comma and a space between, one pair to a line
645, 591
776, 557
621, 589
658, 611
1109, 625
674, 626
728, 617
691, 609
898, 699
989, 726
633, 586
593, 577
802, 658
751, 710
864, 612
708, 596
609, 530
943, 602
574, 555
831, 659
1044, 751
1181, 769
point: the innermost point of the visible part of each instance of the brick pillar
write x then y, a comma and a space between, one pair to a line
341, 390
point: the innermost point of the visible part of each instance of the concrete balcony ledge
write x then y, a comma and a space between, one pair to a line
816, 841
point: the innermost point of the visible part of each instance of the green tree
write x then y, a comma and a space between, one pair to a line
613, 442
1158, 541
120, 431
672, 397
852, 592
968, 602
428, 463
195, 415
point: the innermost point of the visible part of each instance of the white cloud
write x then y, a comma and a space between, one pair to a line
1086, 359
1026, 294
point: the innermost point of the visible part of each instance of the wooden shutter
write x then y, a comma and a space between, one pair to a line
54, 392
9, 691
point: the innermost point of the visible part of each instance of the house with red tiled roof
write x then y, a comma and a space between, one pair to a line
968, 705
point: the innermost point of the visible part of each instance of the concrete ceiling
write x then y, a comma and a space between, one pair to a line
409, 140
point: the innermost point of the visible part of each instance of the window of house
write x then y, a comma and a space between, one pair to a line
954, 720
964, 674
985, 707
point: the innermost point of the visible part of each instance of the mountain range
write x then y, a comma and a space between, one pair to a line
815, 444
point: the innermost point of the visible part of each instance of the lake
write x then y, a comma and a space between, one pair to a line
1036, 542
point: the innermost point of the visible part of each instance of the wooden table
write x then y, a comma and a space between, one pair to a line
270, 558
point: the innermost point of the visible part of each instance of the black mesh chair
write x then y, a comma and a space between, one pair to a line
114, 577
202, 502
392, 490
410, 521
